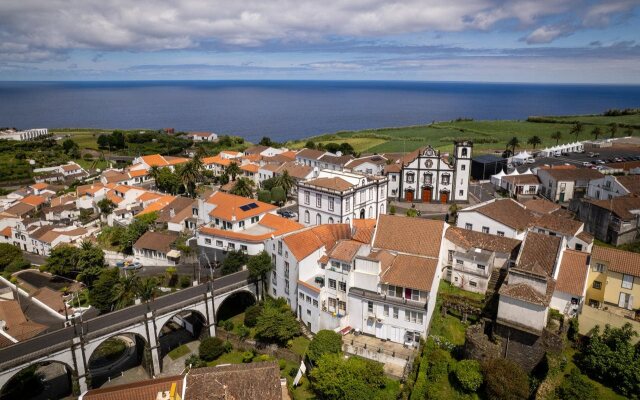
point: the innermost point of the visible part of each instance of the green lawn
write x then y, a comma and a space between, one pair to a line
179, 352
488, 136
110, 349
233, 357
299, 345
604, 393
446, 287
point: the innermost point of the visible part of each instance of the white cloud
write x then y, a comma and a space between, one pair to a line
547, 34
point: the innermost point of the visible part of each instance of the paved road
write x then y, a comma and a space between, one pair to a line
35, 259
482, 191
132, 313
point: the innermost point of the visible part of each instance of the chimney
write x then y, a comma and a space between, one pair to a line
172, 212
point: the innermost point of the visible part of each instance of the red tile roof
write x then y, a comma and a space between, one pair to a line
229, 207
409, 235
624, 262
572, 276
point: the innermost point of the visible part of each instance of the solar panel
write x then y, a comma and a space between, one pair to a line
249, 206
253, 205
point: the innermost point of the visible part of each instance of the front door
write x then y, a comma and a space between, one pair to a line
562, 197
408, 195
426, 194
625, 300
444, 197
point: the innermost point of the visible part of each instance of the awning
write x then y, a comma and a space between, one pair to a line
173, 254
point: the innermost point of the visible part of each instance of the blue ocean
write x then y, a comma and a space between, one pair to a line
287, 110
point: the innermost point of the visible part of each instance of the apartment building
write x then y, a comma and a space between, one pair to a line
339, 197
502, 217
610, 186
561, 184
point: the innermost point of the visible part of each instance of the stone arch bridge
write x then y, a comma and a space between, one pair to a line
73, 345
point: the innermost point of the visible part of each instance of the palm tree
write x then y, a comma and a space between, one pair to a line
613, 129
147, 288
233, 170
190, 174
285, 181
86, 245
124, 292
557, 135
243, 187
596, 132
577, 129
513, 143
534, 141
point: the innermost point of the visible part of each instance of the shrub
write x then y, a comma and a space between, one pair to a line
228, 347
467, 375
392, 210
247, 357
262, 357
211, 348
264, 196
282, 364
195, 362
505, 380
243, 332
293, 372
278, 195
574, 329
576, 387
251, 315
185, 281
412, 213
325, 342
228, 325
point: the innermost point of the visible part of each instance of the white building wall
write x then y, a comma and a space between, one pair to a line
523, 313
478, 221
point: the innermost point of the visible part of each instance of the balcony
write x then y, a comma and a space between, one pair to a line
369, 295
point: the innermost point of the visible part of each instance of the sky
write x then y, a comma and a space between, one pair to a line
537, 41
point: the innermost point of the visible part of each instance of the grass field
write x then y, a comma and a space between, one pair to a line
488, 136
179, 352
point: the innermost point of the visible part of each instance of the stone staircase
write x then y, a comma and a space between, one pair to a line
496, 280
305, 331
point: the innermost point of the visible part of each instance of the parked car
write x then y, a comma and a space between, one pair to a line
586, 164
617, 159
599, 162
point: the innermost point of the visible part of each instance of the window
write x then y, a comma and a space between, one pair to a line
332, 283
500, 233
318, 219
286, 254
463, 167
415, 295
318, 200
410, 177
445, 179
332, 303
243, 247
450, 256
473, 284
241, 224
346, 267
306, 217
395, 312
370, 306
386, 310
420, 318
342, 306
309, 312
459, 262
485, 229
273, 259
254, 220
481, 267
275, 294
393, 178
348, 205
627, 281
342, 286
599, 267
286, 286
308, 299
394, 291
315, 303
286, 269
280, 247
578, 247
597, 285
413, 316
464, 152
330, 220
461, 193
207, 241
331, 203
468, 226
306, 197
301, 295
274, 280
219, 243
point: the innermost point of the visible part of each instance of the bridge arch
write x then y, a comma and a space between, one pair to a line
180, 328
111, 356
51, 377
234, 303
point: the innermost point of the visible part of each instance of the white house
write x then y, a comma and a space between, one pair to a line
571, 284
502, 217
610, 186
340, 197
154, 249
369, 165
29, 134
426, 175
202, 136
310, 157
564, 183
238, 223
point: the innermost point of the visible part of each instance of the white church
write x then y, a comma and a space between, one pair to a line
424, 175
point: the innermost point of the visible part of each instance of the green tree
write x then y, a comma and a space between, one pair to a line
71, 148
278, 195
412, 213
138, 227
268, 184
505, 380
211, 348
103, 142
106, 206
9, 255
125, 290
576, 387
101, 295
596, 132
285, 181
310, 145
468, 375
234, 260
557, 135
276, 325
147, 289
251, 315
243, 187
259, 266
324, 342
232, 170
346, 149
63, 261
171, 274
26, 384
534, 141
611, 357
265, 141
613, 129
264, 196
169, 181
513, 143
577, 129
190, 174
354, 378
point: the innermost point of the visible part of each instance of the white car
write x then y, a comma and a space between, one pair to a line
586, 164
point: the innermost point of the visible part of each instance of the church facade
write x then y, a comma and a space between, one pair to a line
425, 176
